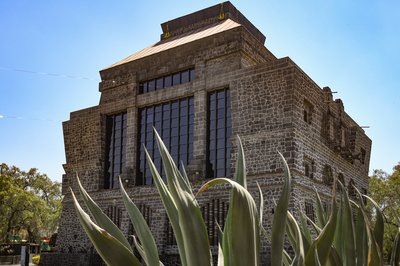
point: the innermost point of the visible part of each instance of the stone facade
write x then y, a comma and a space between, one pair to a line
274, 105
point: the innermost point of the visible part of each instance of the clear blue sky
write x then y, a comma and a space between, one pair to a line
351, 46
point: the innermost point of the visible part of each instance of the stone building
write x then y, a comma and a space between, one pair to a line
208, 79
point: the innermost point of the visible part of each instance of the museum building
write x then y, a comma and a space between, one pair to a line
208, 79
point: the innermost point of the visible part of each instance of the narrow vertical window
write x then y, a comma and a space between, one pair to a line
309, 208
219, 134
362, 155
115, 149
307, 111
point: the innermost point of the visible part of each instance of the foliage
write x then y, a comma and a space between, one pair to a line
338, 240
385, 190
30, 202
36, 259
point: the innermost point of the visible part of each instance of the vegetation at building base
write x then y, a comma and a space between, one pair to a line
36, 259
30, 204
385, 190
338, 239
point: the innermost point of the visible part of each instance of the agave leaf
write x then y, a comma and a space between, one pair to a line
169, 206
379, 224
100, 218
313, 225
279, 221
112, 251
321, 214
346, 233
305, 232
240, 172
261, 209
374, 257
395, 255
360, 237
220, 256
174, 177
150, 251
322, 244
185, 177
317, 261
191, 223
139, 248
334, 258
286, 259
297, 240
339, 238
241, 239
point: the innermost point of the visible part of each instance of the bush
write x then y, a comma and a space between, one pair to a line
36, 259
338, 240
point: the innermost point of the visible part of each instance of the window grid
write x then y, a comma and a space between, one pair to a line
174, 123
309, 208
219, 134
116, 145
167, 81
115, 214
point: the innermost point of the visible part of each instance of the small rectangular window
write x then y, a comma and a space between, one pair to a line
167, 81
362, 156
309, 209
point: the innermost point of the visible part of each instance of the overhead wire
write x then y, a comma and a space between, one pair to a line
46, 73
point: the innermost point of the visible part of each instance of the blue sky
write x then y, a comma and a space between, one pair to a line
51, 52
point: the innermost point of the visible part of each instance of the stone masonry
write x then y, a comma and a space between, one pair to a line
275, 106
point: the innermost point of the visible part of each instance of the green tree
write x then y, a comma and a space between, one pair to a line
29, 201
384, 188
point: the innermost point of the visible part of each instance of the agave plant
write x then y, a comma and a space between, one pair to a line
337, 239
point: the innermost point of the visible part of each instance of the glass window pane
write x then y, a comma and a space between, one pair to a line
159, 83
167, 81
175, 132
192, 74
151, 86
185, 76
176, 79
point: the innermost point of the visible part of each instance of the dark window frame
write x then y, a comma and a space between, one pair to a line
166, 81
174, 122
309, 209
115, 152
219, 132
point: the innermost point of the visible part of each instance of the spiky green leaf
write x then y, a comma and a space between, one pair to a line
193, 230
100, 218
112, 251
280, 216
150, 251
241, 239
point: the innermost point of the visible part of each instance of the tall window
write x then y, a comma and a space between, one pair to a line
219, 134
309, 208
115, 148
174, 123
307, 111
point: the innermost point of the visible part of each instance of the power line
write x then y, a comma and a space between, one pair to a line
46, 74
29, 118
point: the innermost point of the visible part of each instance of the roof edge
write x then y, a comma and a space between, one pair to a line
206, 17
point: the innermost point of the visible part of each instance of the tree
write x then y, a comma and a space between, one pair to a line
385, 190
29, 202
